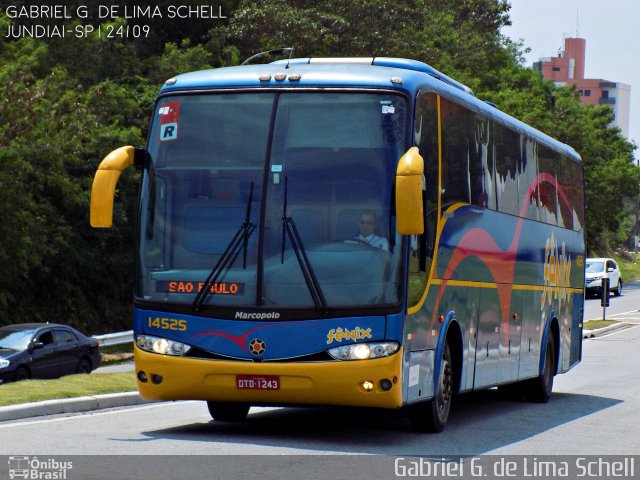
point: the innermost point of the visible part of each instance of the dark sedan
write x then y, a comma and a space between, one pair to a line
45, 350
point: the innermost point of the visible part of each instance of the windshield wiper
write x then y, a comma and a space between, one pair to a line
239, 242
289, 229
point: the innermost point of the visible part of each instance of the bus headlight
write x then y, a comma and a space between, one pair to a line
162, 346
4, 363
364, 351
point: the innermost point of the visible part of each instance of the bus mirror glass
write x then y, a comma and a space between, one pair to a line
409, 175
104, 185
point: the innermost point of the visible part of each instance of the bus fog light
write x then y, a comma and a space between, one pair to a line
386, 385
142, 377
368, 386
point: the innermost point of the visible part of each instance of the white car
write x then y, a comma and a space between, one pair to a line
597, 268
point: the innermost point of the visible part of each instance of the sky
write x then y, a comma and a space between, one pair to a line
611, 29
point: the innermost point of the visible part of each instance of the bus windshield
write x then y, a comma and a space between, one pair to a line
280, 199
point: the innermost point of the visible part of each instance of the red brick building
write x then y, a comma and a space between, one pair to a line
567, 68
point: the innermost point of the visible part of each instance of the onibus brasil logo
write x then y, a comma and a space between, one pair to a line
38, 469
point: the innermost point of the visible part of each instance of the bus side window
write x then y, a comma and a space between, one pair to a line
527, 180
507, 158
547, 185
421, 246
457, 125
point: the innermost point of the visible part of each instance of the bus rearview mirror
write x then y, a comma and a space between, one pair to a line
104, 185
409, 175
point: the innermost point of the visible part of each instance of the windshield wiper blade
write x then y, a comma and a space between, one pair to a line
229, 256
289, 229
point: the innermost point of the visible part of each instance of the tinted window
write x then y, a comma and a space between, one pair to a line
547, 185
457, 127
421, 246
571, 193
528, 180
481, 170
64, 336
217, 159
507, 159
45, 337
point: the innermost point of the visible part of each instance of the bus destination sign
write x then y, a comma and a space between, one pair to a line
185, 286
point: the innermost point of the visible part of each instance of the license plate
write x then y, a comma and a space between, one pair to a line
258, 382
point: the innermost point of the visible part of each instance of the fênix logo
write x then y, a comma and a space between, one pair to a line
38, 469
339, 334
557, 273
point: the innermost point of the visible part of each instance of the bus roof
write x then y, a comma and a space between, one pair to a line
399, 74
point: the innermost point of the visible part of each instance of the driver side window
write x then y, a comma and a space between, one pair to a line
45, 338
421, 247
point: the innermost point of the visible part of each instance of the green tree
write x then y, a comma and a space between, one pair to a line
65, 103
460, 35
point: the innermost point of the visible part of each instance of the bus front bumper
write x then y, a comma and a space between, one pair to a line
366, 383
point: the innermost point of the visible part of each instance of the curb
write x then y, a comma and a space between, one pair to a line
600, 331
70, 405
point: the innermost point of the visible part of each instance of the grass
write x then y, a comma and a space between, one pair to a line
629, 269
66, 387
594, 324
116, 354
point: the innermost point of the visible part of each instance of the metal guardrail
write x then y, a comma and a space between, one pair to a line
114, 338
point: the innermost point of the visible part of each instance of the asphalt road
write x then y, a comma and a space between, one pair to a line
593, 411
626, 307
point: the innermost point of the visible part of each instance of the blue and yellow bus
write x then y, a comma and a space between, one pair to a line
348, 231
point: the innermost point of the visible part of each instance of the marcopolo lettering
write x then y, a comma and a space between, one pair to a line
257, 316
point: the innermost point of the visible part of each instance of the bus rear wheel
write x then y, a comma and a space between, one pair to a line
539, 389
228, 411
432, 416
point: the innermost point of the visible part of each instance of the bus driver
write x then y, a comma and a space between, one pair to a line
367, 224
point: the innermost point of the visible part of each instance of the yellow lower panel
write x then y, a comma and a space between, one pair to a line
321, 383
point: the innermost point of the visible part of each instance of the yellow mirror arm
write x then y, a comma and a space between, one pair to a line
104, 185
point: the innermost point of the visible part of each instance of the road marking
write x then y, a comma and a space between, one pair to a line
633, 316
615, 332
77, 415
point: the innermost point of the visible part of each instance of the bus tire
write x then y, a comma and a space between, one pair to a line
228, 411
432, 416
540, 388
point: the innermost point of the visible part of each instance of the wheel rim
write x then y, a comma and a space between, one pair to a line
445, 390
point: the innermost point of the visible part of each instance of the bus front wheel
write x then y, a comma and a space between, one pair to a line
432, 416
228, 411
